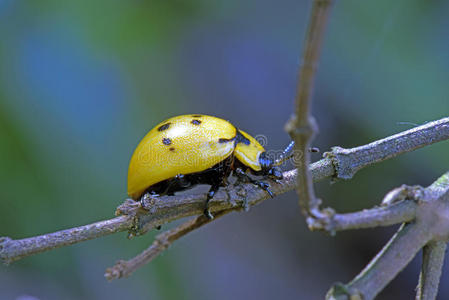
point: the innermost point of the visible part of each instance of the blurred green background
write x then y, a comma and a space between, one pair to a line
81, 82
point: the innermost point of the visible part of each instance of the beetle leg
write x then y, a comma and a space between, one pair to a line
182, 180
241, 175
213, 189
179, 182
263, 185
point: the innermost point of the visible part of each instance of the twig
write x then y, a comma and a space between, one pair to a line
430, 225
434, 252
394, 257
395, 213
354, 159
302, 127
429, 278
125, 268
169, 208
12, 250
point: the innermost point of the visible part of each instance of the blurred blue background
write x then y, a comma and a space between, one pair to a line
81, 82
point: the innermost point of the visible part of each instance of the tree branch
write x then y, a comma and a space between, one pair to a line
395, 213
357, 158
430, 225
169, 208
12, 250
393, 258
429, 278
302, 126
161, 243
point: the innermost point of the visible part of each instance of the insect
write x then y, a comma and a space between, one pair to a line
187, 150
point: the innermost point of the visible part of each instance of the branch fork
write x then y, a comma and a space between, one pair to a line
424, 214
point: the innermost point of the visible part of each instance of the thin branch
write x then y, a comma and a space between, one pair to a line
398, 212
169, 208
161, 243
12, 250
429, 278
430, 225
434, 252
302, 126
349, 161
394, 257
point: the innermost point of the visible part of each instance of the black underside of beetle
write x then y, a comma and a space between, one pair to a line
214, 176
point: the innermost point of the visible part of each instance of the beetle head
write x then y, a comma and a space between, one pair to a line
269, 168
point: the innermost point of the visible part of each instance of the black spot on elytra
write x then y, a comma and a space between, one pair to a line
166, 141
172, 149
163, 127
196, 122
197, 116
223, 140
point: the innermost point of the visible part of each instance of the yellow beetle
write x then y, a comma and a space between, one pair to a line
186, 150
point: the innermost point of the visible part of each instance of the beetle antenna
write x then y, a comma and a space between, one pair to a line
285, 154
